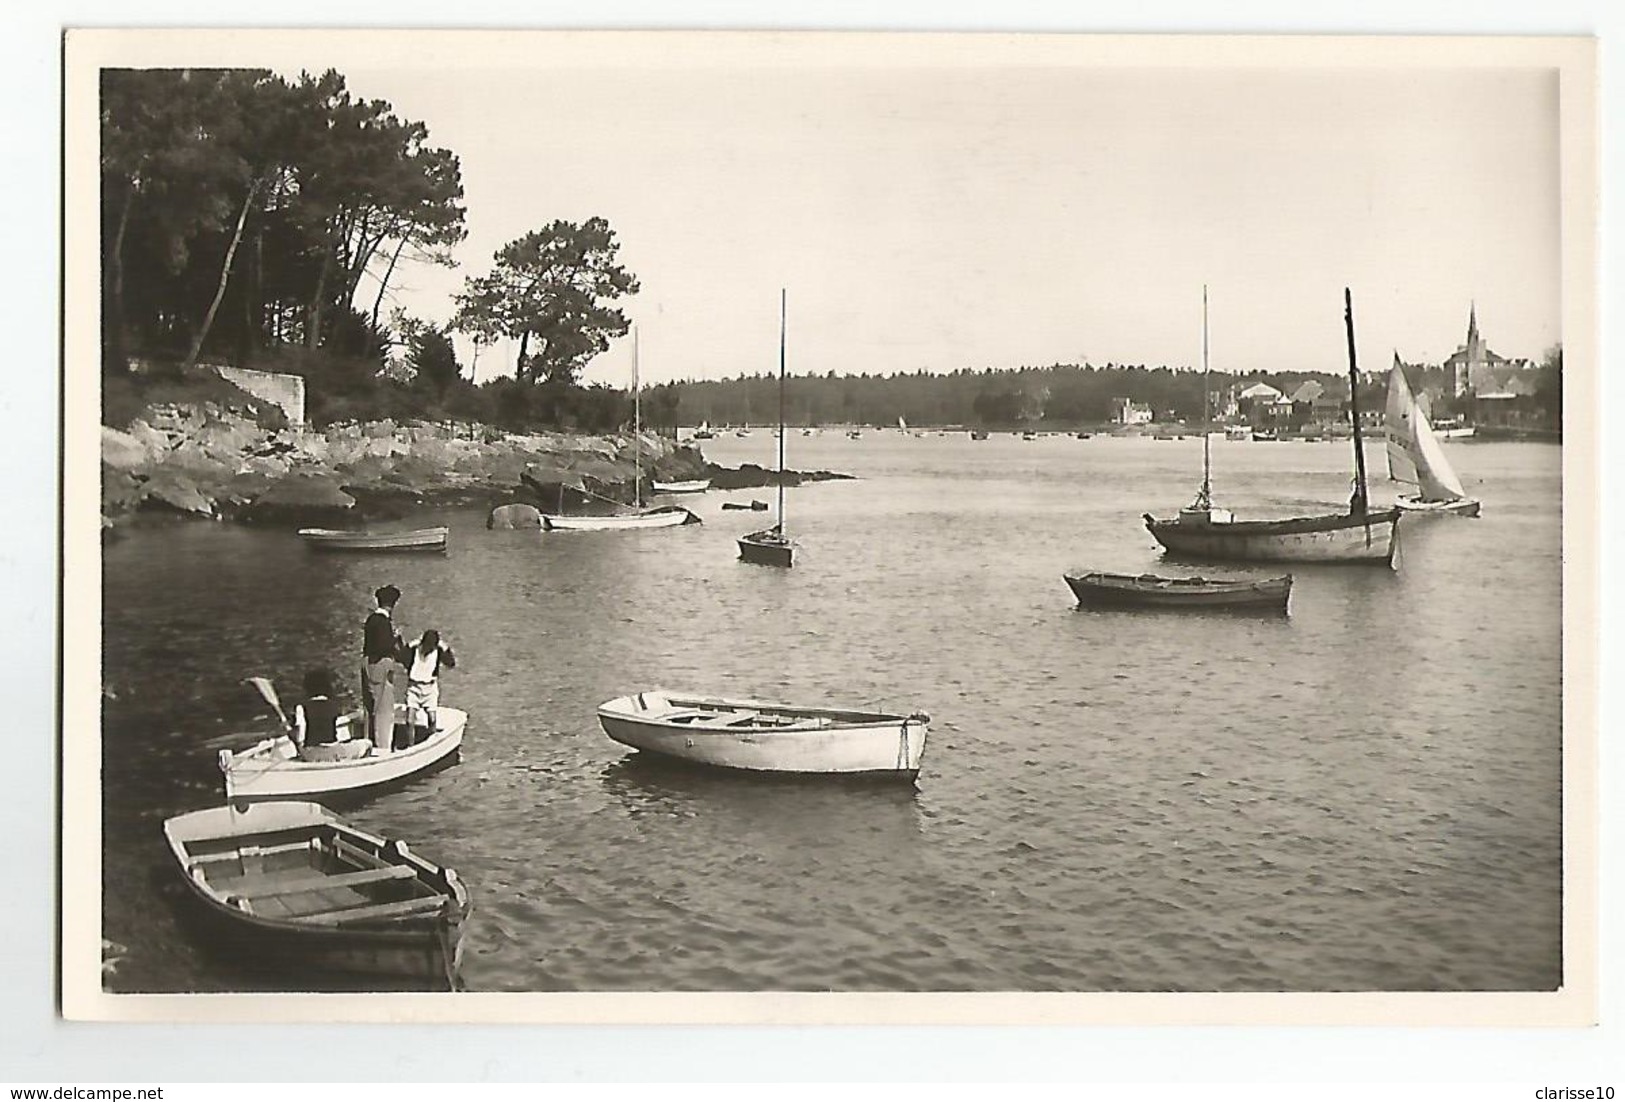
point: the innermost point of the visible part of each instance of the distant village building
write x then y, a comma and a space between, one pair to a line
1262, 404
1316, 404
1126, 411
1473, 366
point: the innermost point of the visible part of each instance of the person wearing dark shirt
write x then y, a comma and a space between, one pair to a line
380, 644
317, 720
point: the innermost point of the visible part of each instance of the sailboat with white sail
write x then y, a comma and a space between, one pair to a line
1361, 535
770, 546
1416, 457
666, 516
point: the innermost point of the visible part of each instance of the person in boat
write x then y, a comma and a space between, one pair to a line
424, 661
381, 643
317, 722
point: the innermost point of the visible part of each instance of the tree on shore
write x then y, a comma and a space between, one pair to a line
556, 287
242, 212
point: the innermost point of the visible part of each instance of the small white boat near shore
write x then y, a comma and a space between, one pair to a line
271, 769
670, 516
334, 539
756, 736
689, 486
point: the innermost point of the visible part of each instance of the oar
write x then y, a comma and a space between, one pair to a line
268, 691
238, 740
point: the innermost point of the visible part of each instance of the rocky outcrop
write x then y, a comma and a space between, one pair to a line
214, 461
750, 475
517, 515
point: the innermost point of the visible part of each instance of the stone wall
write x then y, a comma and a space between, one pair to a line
285, 391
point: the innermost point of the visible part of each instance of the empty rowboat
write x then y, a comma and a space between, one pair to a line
291, 883
273, 770
690, 486
768, 738
1096, 589
330, 539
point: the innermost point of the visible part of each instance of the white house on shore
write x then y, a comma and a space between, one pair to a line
1126, 411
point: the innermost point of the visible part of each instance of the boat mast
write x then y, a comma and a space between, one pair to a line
637, 424
1357, 502
1204, 499
781, 409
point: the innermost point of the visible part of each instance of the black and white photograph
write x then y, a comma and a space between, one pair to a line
1057, 527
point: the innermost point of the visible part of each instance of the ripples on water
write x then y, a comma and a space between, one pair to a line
1363, 796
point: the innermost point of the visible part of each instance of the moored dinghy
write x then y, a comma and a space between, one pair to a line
761, 737
273, 770
688, 486
333, 539
1096, 588
770, 546
291, 882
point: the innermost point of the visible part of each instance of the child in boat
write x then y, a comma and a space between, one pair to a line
320, 727
423, 662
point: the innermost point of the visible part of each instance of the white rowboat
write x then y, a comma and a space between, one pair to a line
669, 517
761, 737
331, 539
272, 769
692, 486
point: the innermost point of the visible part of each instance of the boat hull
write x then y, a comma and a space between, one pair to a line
694, 486
810, 741
228, 854
653, 518
430, 540
1148, 591
765, 549
270, 770
1335, 538
1461, 507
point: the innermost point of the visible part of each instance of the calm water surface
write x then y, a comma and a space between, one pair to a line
1365, 795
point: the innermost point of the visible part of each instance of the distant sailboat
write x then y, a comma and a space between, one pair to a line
770, 546
1415, 456
704, 432
1202, 530
667, 516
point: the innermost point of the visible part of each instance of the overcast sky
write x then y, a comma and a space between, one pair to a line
939, 208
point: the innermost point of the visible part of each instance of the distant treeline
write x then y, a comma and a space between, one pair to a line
1060, 395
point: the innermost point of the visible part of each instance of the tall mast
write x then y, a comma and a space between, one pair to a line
637, 423
1358, 501
781, 408
1204, 500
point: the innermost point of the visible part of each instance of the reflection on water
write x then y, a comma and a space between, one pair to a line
1364, 795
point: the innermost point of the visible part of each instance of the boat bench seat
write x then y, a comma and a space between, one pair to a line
321, 883
252, 851
743, 719
405, 908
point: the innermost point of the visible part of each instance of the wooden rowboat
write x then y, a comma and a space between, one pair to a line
768, 738
330, 539
272, 769
1152, 591
292, 883
666, 516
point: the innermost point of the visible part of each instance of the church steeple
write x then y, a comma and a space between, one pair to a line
1472, 326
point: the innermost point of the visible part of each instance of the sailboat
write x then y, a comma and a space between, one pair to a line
666, 516
704, 432
770, 547
1361, 535
1415, 456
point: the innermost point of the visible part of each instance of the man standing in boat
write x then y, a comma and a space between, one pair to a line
380, 644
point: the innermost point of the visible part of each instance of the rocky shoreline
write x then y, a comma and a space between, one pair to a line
214, 461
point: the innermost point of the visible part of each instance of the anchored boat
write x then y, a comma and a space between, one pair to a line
1099, 589
293, 883
331, 539
770, 546
770, 738
1361, 535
